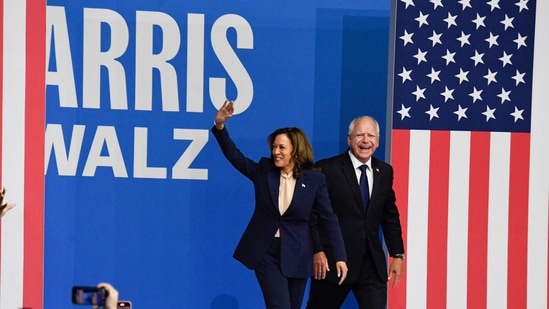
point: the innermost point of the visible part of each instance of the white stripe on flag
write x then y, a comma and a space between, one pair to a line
498, 210
538, 213
458, 196
13, 141
418, 214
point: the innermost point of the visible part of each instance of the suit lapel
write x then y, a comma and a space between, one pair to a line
300, 189
273, 180
350, 176
377, 180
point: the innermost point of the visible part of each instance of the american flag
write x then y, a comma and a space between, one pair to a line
469, 116
22, 111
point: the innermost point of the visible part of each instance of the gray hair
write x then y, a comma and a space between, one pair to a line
353, 122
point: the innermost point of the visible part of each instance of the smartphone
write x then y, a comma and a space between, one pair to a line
124, 304
89, 295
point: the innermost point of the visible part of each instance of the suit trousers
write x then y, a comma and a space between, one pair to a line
279, 291
370, 292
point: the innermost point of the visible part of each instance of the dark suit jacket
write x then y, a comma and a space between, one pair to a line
296, 256
361, 231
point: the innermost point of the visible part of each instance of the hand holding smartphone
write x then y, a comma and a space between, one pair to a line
89, 295
97, 296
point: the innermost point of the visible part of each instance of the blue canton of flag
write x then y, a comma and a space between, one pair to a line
464, 65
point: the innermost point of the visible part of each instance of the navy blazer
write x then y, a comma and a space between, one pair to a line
361, 231
296, 256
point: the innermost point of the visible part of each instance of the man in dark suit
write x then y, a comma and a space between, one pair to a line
361, 213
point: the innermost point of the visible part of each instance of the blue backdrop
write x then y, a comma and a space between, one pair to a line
137, 191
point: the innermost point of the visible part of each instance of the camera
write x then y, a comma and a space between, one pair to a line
88, 295
124, 304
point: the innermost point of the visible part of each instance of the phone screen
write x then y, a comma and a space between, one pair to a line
124, 304
87, 295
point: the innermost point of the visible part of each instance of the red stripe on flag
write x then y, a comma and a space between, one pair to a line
518, 220
400, 159
437, 237
33, 272
478, 220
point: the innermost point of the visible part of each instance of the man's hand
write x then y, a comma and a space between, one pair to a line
341, 271
395, 268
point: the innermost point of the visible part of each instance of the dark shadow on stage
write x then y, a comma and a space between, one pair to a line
224, 301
